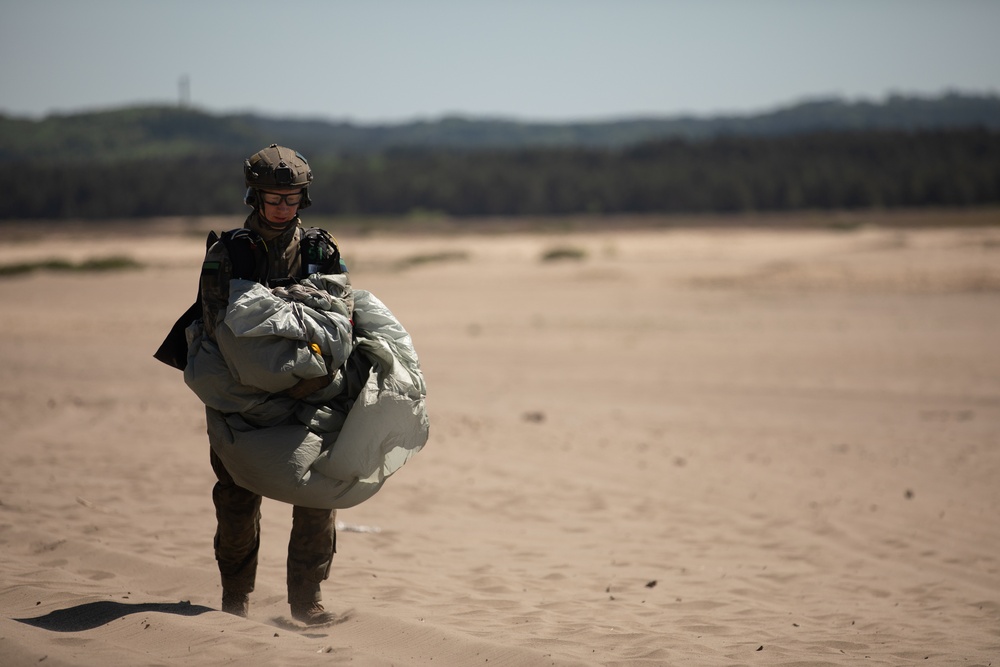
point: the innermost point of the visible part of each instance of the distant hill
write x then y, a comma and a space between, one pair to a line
176, 133
824, 154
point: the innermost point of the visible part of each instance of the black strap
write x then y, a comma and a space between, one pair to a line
247, 254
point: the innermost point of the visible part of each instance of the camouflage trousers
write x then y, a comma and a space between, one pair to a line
311, 546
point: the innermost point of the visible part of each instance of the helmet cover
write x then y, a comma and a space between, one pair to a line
276, 167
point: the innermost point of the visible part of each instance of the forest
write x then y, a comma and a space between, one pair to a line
726, 174
170, 162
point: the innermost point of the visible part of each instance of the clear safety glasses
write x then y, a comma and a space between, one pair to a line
274, 199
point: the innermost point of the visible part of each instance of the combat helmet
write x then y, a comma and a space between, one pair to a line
276, 167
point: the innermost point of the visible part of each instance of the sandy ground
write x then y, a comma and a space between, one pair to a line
690, 447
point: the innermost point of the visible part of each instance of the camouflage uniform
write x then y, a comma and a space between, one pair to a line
237, 540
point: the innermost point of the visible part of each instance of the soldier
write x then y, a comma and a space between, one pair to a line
271, 248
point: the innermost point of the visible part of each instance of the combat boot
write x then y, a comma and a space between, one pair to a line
312, 613
237, 604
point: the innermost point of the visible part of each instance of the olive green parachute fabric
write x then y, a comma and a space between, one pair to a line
335, 448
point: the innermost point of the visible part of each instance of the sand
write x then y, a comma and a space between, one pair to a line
690, 446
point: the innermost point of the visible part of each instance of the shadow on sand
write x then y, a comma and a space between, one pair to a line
95, 614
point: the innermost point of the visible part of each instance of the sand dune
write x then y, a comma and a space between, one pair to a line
689, 447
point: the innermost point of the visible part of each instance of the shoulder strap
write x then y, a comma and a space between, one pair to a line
247, 254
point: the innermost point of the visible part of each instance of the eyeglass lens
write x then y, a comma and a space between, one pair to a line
273, 199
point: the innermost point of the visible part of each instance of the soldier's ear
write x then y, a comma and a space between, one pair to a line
250, 198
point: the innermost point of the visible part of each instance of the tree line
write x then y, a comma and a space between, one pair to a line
822, 170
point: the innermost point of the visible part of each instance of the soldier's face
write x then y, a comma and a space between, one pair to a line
280, 205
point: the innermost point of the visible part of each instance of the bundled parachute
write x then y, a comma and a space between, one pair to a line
336, 447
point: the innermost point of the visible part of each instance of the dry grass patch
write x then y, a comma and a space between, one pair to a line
432, 258
115, 263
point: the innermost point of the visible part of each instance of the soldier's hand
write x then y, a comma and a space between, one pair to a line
307, 386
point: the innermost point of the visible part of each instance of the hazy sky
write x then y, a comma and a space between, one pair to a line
393, 60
